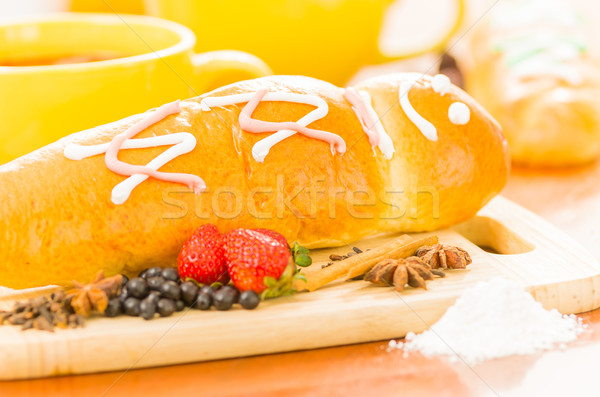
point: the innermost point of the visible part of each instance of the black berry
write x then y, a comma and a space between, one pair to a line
153, 272
189, 291
203, 301
165, 307
223, 299
137, 287
148, 308
154, 283
154, 296
132, 307
170, 273
207, 289
170, 289
249, 299
179, 305
232, 290
142, 274
113, 308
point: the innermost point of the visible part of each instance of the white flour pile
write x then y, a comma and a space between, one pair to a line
494, 319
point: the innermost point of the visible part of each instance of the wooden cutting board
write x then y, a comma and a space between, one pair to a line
554, 268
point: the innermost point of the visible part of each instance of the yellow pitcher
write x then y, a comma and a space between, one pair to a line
328, 39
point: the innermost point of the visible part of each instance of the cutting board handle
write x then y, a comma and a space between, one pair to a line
493, 236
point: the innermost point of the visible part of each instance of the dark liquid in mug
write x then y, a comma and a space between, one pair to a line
60, 59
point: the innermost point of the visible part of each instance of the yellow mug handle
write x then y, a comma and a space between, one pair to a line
218, 68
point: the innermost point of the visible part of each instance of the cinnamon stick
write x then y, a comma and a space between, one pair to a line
356, 265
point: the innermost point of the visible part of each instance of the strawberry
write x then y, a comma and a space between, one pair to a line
201, 257
255, 259
274, 235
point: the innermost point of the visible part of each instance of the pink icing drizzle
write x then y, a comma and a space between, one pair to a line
247, 123
119, 167
363, 115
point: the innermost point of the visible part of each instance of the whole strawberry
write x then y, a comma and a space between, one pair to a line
255, 260
201, 257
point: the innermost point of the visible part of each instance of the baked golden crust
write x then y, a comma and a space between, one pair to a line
58, 222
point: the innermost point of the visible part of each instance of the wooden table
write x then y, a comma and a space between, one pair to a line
569, 199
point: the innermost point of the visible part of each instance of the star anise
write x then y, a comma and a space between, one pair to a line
85, 298
444, 256
399, 272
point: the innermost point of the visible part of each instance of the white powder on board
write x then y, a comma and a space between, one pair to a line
494, 319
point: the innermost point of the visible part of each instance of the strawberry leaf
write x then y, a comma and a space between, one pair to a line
270, 282
287, 273
194, 281
301, 255
216, 285
284, 286
299, 276
303, 260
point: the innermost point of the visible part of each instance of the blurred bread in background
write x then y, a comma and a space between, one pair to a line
533, 64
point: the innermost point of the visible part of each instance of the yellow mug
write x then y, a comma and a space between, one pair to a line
63, 73
327, 39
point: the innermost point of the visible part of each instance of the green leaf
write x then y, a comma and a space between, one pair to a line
270, 282
298, 249
302, 251
301, 255
287, 273
285, 285
300, 276
303, 260
194, 281
216, 285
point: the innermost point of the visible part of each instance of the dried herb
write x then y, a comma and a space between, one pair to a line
43, 313
336, 257
440, 256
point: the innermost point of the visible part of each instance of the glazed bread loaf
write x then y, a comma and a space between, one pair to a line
532, 69
72, 208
